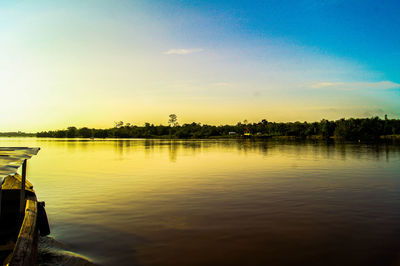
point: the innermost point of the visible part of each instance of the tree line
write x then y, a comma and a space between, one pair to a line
349, 129
17, 134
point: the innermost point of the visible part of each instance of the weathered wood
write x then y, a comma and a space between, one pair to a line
22, 191
1, 196
23, 250
7, 260
14, 182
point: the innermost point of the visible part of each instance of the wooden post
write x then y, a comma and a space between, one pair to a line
1, 196
22, 195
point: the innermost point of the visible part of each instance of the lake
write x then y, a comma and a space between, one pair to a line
220, 202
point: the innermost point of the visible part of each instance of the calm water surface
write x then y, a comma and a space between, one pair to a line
220, 202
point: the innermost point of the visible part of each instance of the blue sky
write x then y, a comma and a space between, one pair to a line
95, 62
363, 31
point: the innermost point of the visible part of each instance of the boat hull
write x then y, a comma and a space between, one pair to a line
20, 232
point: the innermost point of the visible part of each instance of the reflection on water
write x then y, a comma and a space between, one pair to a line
225, 202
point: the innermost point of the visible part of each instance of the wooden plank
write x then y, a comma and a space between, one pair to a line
22, 191
1, 196
23, 250
14, 182
7, 260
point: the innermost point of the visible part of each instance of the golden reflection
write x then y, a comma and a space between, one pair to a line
153, 186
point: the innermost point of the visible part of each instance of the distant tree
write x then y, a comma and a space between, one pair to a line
102, 133
72, 132
173, 120
61, 134
119, 124
85, 132
349, 129
327, 128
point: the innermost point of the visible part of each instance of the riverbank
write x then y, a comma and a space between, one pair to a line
168, 137
348, 129
391, 137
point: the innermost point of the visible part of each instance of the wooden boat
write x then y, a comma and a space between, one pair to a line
22, 217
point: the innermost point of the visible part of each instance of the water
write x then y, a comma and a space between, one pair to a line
218, 202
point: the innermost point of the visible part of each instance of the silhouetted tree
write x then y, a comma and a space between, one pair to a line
350, 129
119, 124
85, 132
72, 132
173, 120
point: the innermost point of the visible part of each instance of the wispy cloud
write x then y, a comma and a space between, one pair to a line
221, 84
325, 84
381, 85
183, 51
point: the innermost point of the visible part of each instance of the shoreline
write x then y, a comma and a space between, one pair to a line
237, 137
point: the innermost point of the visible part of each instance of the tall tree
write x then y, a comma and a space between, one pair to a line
173, 120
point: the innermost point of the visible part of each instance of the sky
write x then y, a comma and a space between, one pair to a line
90, 63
